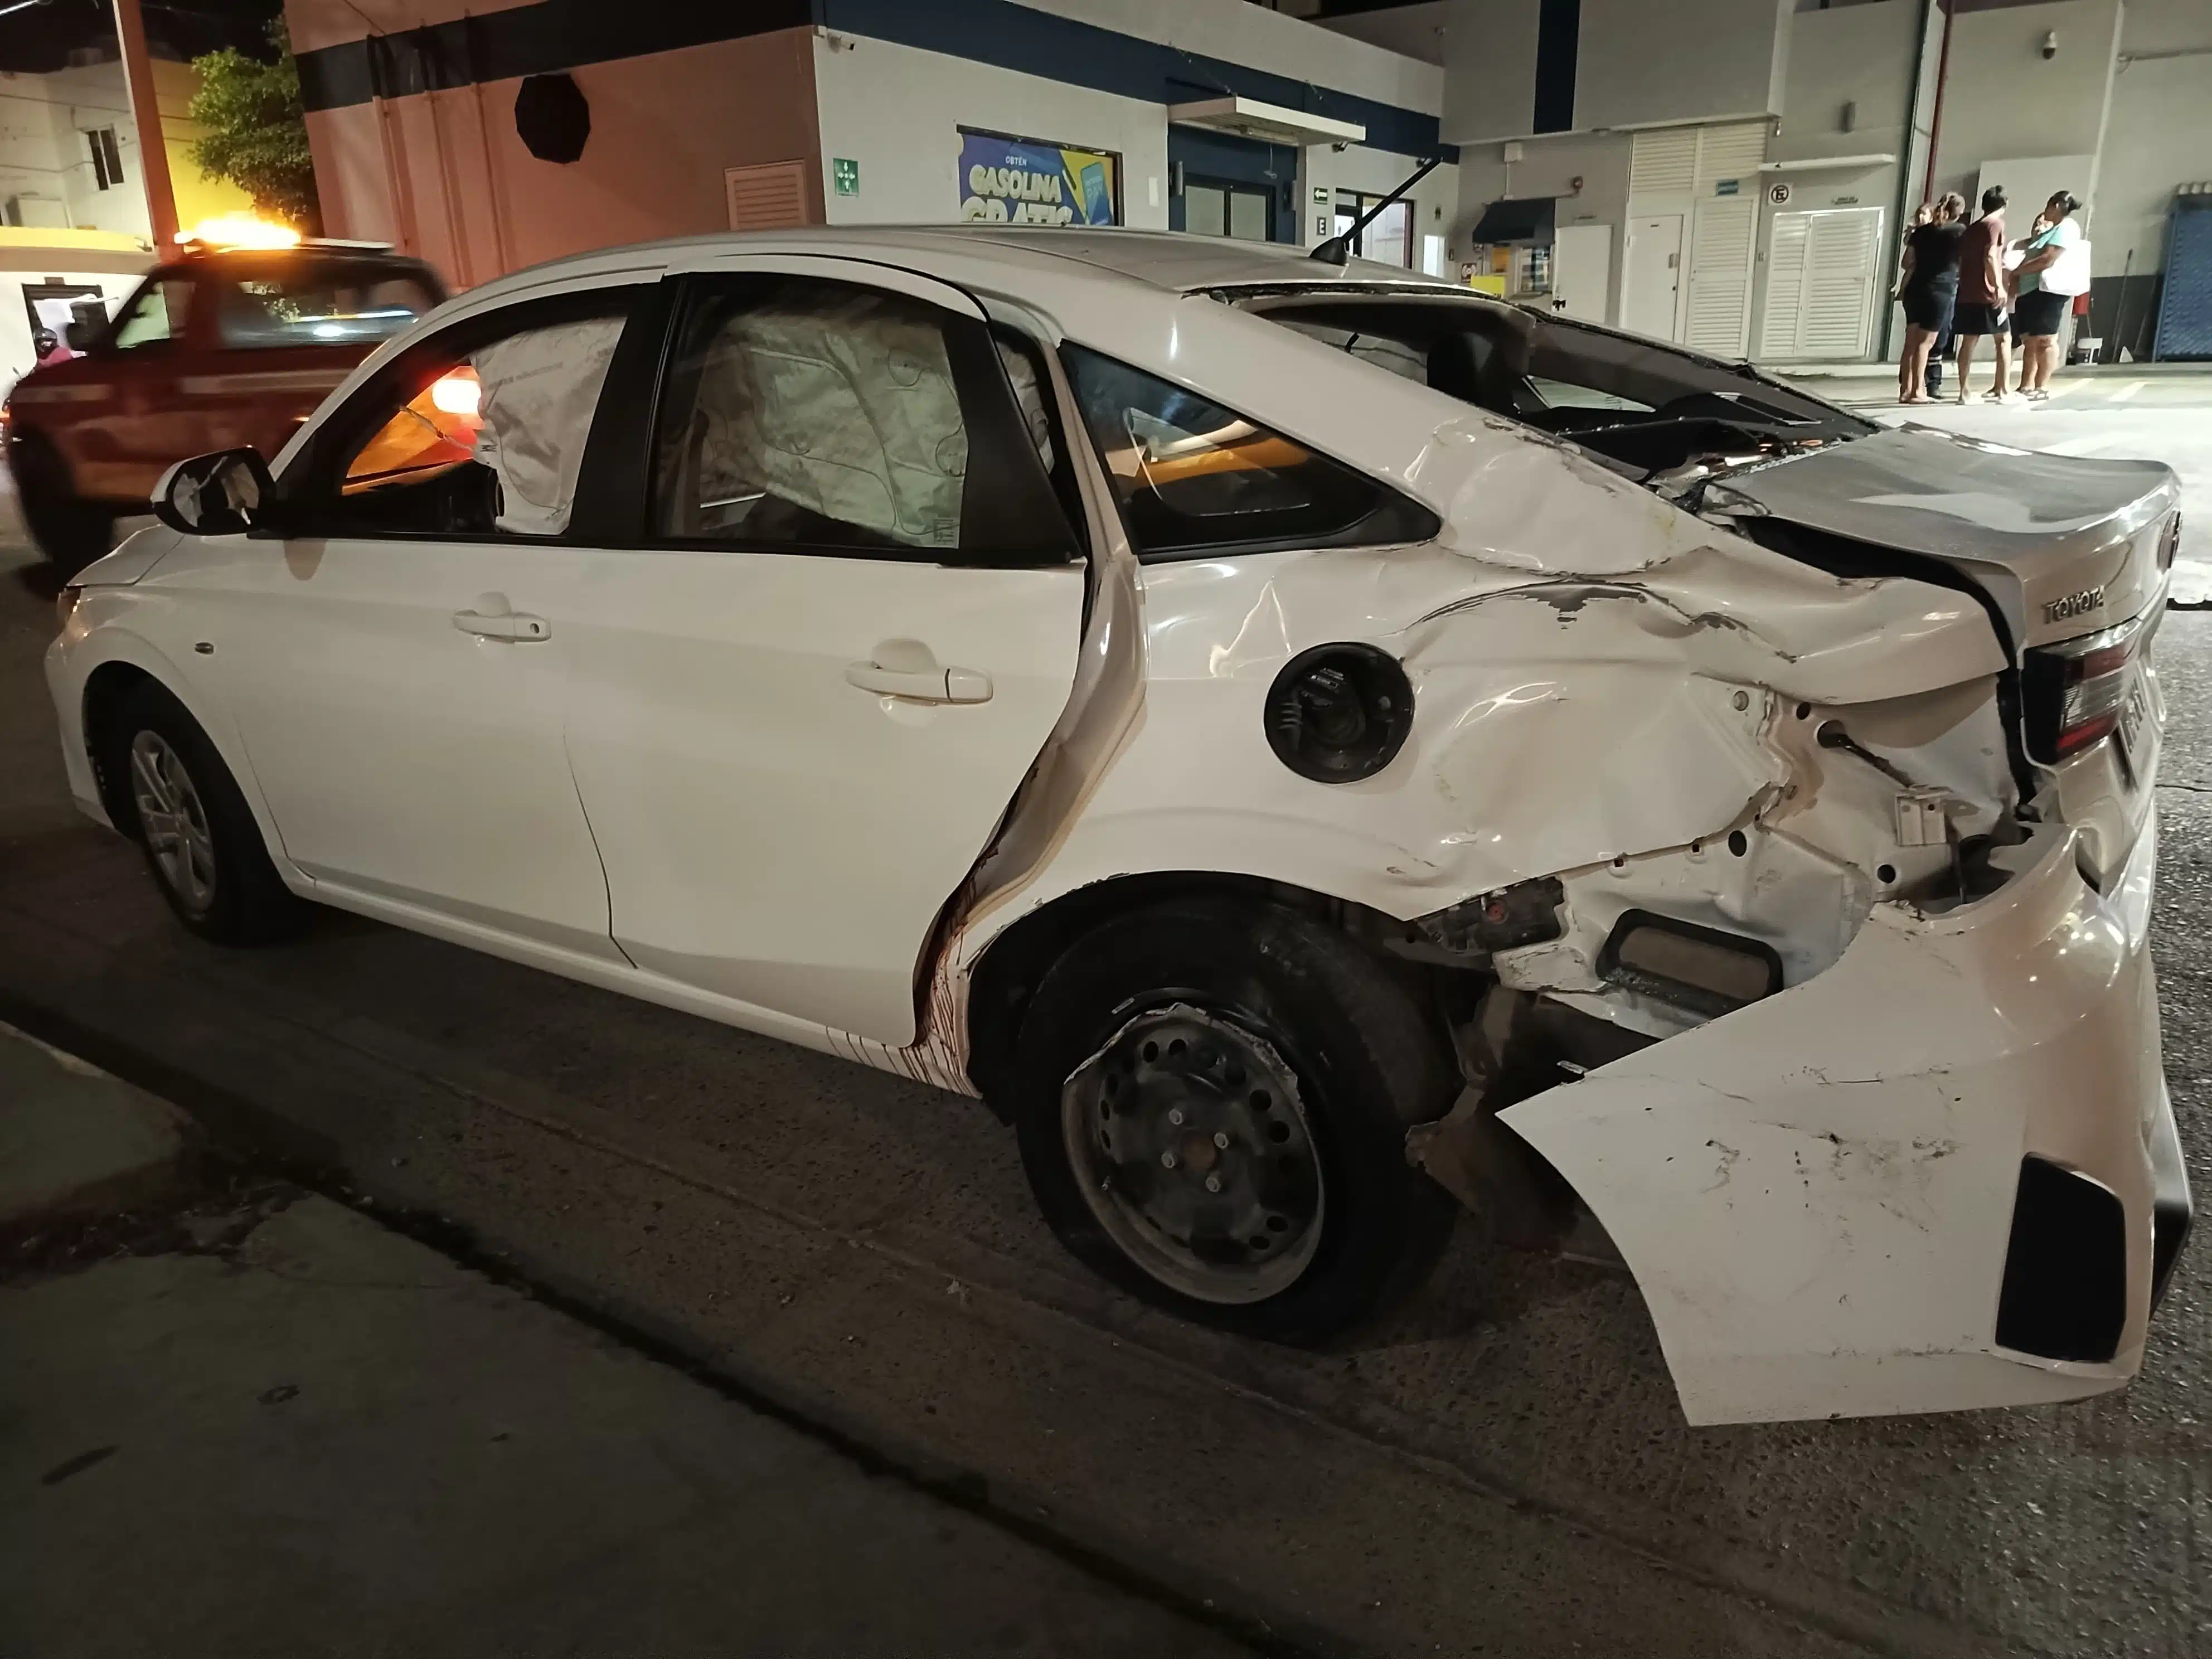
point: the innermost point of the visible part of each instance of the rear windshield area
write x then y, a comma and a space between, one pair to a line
1644, 407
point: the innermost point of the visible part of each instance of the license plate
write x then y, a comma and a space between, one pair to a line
2135, 710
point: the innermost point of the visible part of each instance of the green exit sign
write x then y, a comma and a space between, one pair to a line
845, 175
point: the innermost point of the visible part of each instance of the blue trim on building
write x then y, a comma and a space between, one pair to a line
1558, 42
567, 35
1042, 43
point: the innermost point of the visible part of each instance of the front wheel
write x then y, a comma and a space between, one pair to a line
199, 836
1212, 1099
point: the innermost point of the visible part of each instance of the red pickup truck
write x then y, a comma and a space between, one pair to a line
218, 350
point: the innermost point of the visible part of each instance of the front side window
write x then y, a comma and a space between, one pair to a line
813, 415
1192, 477
158, 313
325, 303
472, 436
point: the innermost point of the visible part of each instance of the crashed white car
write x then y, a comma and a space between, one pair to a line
1304, 743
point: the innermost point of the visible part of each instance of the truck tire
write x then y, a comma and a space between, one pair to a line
69, 532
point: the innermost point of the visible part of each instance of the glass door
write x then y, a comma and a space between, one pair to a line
1389, 240
1218, 207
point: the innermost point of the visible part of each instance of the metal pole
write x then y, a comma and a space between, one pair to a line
146, 111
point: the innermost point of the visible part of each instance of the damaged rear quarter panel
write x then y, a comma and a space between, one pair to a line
1559, 720
1577, 645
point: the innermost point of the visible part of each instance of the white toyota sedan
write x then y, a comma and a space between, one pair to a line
1311, 747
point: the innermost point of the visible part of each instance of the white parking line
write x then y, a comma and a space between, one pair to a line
2059, 389
2121, 394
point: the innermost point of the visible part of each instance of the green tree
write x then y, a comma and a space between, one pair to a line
256, 131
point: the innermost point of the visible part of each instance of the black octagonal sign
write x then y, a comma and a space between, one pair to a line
552, 118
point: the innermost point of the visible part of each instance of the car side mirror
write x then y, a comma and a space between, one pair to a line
220, 494
81, 336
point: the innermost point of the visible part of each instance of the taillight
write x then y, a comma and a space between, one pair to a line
2170, 543
2076, 694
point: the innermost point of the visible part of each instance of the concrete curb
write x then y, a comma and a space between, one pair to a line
76, 1142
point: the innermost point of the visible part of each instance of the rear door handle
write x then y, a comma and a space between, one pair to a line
513, 627
931, 684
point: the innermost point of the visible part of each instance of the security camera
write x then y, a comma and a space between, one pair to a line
2051, 44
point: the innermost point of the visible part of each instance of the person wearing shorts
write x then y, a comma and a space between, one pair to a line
2046, 282
1981, 305
1928, 284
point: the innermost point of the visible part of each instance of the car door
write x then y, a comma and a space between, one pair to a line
118, 453
803, 705
398, 680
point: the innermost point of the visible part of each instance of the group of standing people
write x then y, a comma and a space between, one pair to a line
1964, 280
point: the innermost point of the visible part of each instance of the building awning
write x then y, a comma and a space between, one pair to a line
1526, 219
1270, 124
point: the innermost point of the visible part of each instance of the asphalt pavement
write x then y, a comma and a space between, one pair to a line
1499, 1467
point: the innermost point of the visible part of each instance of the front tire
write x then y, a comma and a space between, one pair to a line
189, 818
1212, 1099
70, 533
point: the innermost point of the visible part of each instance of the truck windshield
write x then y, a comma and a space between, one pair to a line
322, 302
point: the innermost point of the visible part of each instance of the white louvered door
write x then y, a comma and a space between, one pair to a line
1719, 309
1685, 171
1822, 271
1843, 282
1782, 326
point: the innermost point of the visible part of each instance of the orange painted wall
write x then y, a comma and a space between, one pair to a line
444, 175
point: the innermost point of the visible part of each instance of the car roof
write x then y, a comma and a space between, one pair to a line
1172, 262
1145, 298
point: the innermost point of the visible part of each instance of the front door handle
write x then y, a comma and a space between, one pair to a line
513, 626
907, 669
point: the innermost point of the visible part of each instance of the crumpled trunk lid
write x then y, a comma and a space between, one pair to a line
2065, 545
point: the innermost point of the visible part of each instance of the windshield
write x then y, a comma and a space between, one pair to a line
317, 302
1645, 407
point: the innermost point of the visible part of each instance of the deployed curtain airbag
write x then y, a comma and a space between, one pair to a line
540, 389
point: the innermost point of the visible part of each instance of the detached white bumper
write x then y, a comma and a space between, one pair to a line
1818, 1193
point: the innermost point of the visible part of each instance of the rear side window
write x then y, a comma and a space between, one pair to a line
803, 415
1194, 477
817, 418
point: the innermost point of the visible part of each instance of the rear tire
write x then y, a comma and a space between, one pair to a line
69, 532
1261, 1071
188, 816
